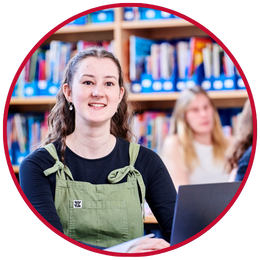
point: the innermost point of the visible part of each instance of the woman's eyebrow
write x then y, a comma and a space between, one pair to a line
88, 75
92, 76
110, 76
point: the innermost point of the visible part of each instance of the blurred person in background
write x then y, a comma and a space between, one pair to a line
194, 150
238, 155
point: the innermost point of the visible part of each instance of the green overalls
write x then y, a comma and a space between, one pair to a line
102, 215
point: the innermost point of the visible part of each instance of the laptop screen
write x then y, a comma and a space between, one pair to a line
197, 206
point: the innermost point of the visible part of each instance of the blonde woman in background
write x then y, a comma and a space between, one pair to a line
195, 148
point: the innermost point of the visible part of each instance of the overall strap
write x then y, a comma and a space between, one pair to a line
132, 173
59, 168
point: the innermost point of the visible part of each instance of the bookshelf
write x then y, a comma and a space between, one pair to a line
120, 31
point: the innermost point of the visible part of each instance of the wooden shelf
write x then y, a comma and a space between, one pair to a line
42, 100
140, 24
86, 28
163, 96
16, 169
142, 101
146, 97
172, 96
150, 219
166, 100
143, 24
31, 104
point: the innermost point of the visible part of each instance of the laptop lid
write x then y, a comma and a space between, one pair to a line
197, 206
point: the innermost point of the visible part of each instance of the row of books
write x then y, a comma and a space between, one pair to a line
130, 14
151, 127
157, 66
103, 16
26, 130
142, 13
43, 72
24, 133
154, 66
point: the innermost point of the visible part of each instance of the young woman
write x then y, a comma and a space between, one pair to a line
194, 150
88, 180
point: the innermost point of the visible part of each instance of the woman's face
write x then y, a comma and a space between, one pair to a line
95, 90
200, 115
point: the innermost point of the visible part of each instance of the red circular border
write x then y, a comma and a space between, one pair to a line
38, 44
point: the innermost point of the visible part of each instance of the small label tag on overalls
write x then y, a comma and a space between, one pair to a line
77, 204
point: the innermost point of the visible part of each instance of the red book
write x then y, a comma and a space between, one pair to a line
196, 58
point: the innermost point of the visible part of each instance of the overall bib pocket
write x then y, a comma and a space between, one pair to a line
88, 218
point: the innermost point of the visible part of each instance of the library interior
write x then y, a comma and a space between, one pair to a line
174, 74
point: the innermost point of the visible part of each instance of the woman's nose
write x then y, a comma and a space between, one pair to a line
203, 112
97, 91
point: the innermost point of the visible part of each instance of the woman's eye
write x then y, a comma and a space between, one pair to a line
109, 84
87, 82
194, 110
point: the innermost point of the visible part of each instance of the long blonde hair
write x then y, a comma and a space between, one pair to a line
184, 133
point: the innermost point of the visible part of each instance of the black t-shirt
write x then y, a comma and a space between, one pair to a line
40, 190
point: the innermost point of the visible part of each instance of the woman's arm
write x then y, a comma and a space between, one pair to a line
171, 156
38, 188
243, 164
160, 191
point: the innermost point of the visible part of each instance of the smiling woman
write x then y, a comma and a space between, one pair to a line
96, 95
92, 79
88, 180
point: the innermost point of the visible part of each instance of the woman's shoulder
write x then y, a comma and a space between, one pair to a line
149, 152
246, 156
40, 157
144, 153
230, 140
171, 143
124, 145
172, 139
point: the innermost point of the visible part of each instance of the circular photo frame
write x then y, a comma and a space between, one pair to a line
121, 29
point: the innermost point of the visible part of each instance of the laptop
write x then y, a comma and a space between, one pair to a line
199, 205
196, 207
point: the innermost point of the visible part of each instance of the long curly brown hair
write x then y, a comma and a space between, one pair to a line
243, 140
61, 120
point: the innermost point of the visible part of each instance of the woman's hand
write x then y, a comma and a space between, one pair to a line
148, 245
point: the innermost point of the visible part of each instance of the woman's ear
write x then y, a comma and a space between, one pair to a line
67, 92
121, 94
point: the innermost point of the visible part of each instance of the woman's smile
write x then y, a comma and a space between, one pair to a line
97, 105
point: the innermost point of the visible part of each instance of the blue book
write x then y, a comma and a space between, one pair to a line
104, 16
140, 48
149, 14
129, 13
239, 81
79, 21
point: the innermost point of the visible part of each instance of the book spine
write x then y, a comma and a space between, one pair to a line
24, 133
